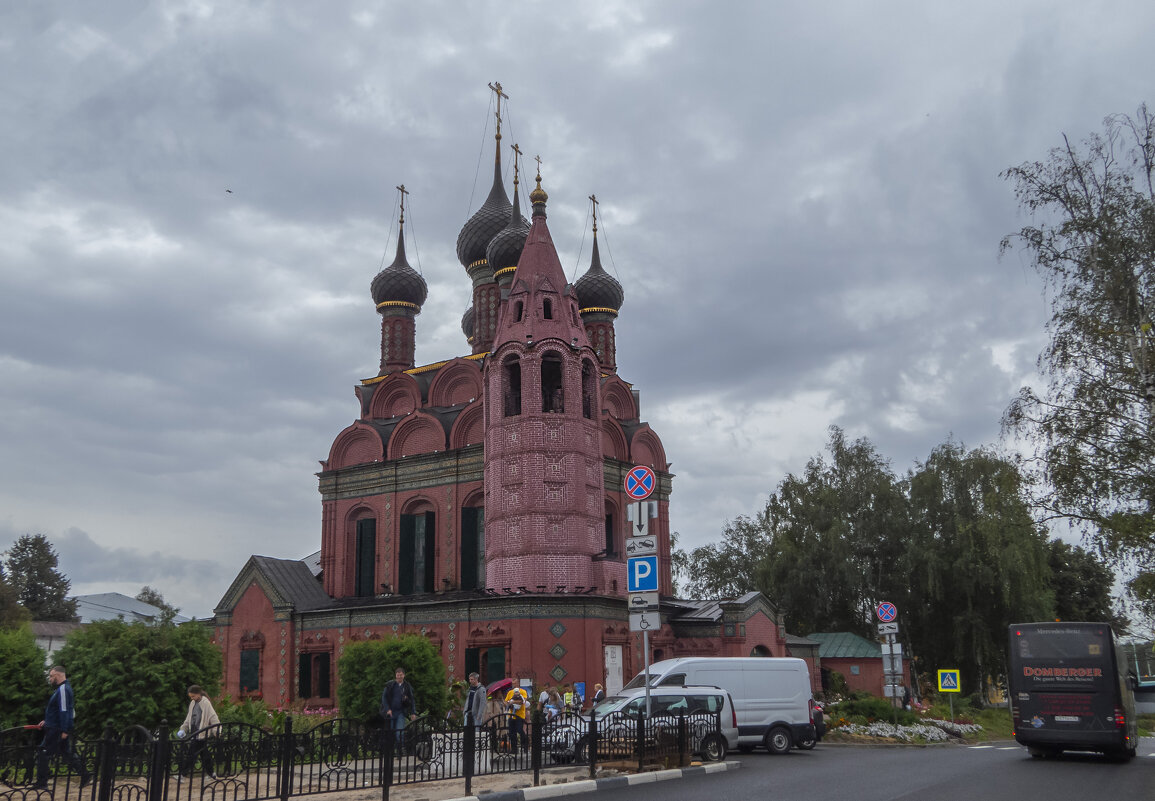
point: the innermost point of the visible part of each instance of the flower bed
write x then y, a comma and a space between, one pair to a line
928, 731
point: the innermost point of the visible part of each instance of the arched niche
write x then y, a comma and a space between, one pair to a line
646, 448
357, 444
618, 400
459, 381
614, 443
396, 396
417, 434
552, 381
469, 427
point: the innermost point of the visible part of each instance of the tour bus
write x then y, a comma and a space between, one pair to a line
1069, 690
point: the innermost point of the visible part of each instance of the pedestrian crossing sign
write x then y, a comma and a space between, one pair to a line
948, 681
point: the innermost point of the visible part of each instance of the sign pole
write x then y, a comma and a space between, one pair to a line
646, 662
896, 700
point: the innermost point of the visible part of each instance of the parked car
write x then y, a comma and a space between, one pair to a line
819, 720
704, 705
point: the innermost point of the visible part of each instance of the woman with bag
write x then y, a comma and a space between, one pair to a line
200, 718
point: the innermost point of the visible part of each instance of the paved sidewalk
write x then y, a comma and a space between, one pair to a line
556, 782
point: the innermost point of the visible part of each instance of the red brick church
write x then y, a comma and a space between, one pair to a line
479, 502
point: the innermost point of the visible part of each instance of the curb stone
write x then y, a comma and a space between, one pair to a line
592, 785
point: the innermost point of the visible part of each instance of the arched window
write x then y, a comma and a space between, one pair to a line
511, 387
416, 561
547, 308
589, 389
519, 309
365, 558
552, 394
611, 535
472, 547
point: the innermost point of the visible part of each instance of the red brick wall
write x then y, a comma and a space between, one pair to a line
253, 627
869, 678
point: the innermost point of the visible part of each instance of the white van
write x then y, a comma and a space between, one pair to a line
771, 694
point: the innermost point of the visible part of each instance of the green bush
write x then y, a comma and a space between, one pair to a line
133, 673
256, 712
366, 667
25, 690
837, 685
252, 711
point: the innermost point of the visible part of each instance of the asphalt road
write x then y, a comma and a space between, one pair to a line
941, 773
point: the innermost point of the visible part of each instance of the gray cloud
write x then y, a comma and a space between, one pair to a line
802, 204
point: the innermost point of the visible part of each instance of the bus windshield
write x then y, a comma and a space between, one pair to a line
1058, 657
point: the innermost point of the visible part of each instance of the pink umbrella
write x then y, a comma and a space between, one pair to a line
499, 686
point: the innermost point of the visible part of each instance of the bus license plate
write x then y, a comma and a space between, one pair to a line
1066, 718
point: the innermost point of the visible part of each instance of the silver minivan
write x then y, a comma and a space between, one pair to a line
667, 703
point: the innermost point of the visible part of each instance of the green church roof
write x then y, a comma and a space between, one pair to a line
845, 645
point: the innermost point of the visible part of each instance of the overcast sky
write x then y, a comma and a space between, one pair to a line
801, 201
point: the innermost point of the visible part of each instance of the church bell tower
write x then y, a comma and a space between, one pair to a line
544, 488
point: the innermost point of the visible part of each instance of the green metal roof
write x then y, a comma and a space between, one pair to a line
845, 645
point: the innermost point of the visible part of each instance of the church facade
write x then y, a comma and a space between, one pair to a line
480, 502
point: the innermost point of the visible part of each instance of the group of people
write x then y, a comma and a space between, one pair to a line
59, 728
398, 706
551, 701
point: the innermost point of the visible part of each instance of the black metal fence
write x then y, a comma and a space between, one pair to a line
239, 762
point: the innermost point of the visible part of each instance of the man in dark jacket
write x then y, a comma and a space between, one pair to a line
474, 710
398, 703
59, 719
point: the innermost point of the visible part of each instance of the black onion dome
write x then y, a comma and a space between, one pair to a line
467, 323
505, 248
399, 283
485, 223
597, 289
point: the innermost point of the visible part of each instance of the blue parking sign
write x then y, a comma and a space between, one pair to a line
642, 574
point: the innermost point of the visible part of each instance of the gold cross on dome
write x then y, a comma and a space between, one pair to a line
403, 192
496, 87
516, 154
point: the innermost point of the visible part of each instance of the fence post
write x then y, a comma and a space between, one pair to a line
641, 741
682, 744
106, 764
387, 745
718, 726
158, 767
592, 745
469, 752
535, 745
285, 769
